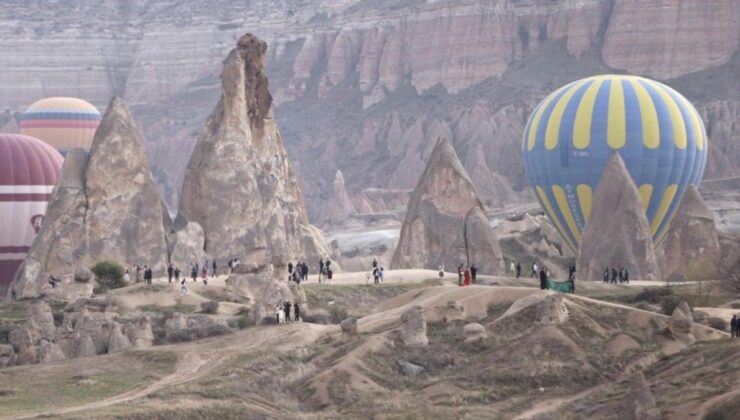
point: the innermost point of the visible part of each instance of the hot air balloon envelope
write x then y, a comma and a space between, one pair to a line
29, 169
64, 123
570, 134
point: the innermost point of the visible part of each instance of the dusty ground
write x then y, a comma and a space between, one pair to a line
522, 370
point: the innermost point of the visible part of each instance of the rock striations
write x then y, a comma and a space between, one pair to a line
105, 206
445, 222
617, 234
239, 185
692, 245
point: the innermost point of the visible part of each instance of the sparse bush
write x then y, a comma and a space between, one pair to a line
243, 322
653, 294
108, 275
669, 303
717, 323
337, 314
209, 307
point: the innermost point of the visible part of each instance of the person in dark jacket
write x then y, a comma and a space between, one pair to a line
194, 271
170, 273
605, 276
215, 267
290, 270
518, 269
614, 275
733, 326
473, 272
304, 271
543, 279
177, 274
286, 309
297, 312
626, 276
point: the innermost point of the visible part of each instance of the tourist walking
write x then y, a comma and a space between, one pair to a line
512, 267
170, 272
177, 274
543, 279
534, 270
441, 270
473, 272
321, 269
460, 275
183, 287
290, 271
733, 326
214, 268
194, 271
304, 271
296, 312
605, 276
286, 310
518, 269
126, 277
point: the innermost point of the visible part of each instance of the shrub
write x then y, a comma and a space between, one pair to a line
108, 275
669, 303
653, 294
209, 307
717, 323
337, 314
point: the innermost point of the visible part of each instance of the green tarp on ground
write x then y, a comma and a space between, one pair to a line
559, 286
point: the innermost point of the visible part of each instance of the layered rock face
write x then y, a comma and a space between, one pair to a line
239, 185
666, 29
617, 234
445, 222
691, 248
391, 74
105, 207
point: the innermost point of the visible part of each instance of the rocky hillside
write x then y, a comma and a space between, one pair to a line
365, 86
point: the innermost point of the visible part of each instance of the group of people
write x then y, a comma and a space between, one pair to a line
735, 327
147, 271
299, 271
282, 312
615, 276
465, 275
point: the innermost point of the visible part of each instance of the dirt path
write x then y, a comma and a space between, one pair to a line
198, 359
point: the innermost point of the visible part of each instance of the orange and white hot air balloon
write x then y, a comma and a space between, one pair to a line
64, 123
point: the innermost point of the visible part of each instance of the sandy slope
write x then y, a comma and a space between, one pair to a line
197, 359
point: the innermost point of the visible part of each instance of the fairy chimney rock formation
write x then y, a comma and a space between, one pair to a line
445, 222
104, 207
340, 206
239, 185
692, 245
617, 234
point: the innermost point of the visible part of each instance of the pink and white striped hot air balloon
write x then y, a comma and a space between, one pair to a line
29, 169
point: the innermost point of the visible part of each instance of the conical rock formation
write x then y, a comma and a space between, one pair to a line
617, 233
691, 247
445, 221
339, 206
105, 206
239, 185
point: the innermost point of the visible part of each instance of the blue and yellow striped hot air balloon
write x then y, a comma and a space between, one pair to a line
64, 123
569, 136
